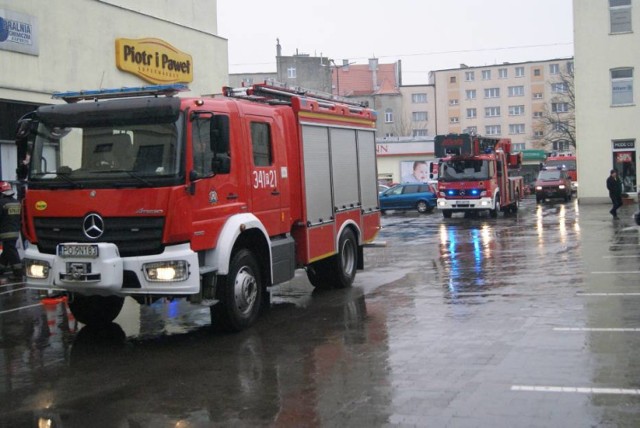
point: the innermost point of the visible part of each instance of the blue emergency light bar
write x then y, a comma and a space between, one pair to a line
136, 91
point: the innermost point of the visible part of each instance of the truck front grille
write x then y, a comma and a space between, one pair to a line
134, 236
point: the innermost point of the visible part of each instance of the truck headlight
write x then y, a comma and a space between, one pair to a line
36, 269
171, 270
538, 187
561, 187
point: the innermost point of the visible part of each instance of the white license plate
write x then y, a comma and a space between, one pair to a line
78, 250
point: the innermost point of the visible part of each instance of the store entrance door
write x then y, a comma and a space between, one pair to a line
624, 160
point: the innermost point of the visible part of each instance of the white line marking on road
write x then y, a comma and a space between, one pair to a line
607, 294
622, 257
596, 329
13, 291
635, 272
20, 308
573, 389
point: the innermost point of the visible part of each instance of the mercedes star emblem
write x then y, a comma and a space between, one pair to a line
93, 226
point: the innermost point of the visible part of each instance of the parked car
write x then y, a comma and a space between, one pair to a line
553, 183
382, 188
409, 196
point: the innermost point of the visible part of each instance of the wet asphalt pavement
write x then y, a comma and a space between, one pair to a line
522, 321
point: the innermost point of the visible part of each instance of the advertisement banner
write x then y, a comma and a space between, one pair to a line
18, 32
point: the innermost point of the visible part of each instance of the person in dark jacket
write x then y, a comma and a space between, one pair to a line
9, 229
614, 185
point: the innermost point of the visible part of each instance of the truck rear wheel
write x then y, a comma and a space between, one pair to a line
446, 213
95, 310
240, 294
337, 271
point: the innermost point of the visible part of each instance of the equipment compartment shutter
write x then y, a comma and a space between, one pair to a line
317, 174
344, 167
368, 170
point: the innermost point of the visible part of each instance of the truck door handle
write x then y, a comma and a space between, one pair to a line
275, 192
232, 196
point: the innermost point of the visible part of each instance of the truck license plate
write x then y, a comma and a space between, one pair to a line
78, 250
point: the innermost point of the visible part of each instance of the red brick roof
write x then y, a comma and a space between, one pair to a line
357, 79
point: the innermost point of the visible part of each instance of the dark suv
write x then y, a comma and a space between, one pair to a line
420, 197
553, 183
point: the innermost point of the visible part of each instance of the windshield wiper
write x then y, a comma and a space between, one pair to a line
63, 176
129, 173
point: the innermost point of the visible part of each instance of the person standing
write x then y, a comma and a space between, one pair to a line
9, 229
614, 185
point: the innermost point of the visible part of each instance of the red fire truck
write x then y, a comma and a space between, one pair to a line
566, 161
474, 175
212, 199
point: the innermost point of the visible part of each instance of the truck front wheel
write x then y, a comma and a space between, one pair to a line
240, 294
95, 310
496, 209
446, 213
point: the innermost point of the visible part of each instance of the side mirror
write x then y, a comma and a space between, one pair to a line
221, 164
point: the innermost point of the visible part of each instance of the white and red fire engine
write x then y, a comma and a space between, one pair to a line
142, 193
474, 175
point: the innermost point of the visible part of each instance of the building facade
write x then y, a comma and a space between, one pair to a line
117, 43
514, 100
607, 126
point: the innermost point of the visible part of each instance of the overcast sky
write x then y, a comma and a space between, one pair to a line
425, 34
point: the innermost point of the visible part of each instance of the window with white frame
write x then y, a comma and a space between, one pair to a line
516, 128
472, 129
516, 91
486, 74
519, 71
471, 113
453, 102
559, 107
503, 73
492, 93
452, 79
469, 76
537, 114
388, 116
454, 119
538, 134
420, 133
420, 116
518, 147
516, 110
291, 72
570, 66
492, 111
620, 16
621, 86
419, 98
537, 95
559, 87
492, 130
470, 94
537, 72
560, 126
554, 69
389, 135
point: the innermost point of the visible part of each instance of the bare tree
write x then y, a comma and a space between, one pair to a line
558, 121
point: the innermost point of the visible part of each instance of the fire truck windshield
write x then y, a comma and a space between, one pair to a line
145, 154
464, 169
568, 164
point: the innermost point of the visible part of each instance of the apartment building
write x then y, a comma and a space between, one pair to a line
523, 101
606, 38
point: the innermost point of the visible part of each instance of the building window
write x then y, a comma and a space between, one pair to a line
519, 71
559, 107
554, 69
492, 93
470, 94
537, 114
569, 66
492, 111
419, 133
516, 128
453, 102
469, 76
471, 113
454, 119
472, 130
516, 110
420, 116
560, 126
389, 135
537, 96
291, 72
492, 130
559, 88
247, 81
516, 91
620, 16
503, 73
538, 134
486, 74
622, 86
418, 98
388, 116
518, 147
452, 79
537, 72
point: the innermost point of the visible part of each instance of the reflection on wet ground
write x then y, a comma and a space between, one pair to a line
516, 321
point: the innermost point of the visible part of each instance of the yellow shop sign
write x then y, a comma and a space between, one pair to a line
154, 60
